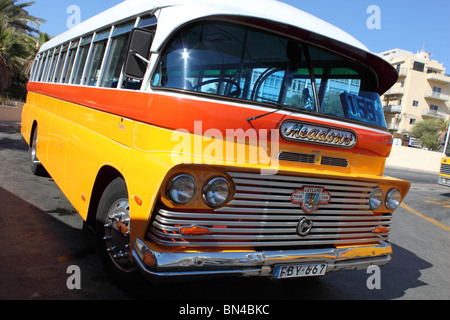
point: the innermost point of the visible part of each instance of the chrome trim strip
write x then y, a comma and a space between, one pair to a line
299, 185
280, 238
288, 197
235, 243
254, 263
290, 191
289, 204
298, 212
300, 179
294, 217
169, 221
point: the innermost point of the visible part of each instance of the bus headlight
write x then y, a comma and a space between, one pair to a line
393, 199
376, 199
182, 189
216, 192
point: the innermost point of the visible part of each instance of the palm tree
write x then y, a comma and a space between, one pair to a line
17, 45
15, 16
35, 44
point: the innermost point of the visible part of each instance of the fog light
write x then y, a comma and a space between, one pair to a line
376, 199
182, 189
393, 199
216, 192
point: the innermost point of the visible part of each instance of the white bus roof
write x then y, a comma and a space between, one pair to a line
172, 14
182, 11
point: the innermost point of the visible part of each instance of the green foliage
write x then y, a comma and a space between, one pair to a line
18, 46
15, 16
430, 132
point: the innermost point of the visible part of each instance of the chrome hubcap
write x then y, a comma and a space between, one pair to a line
34, 159
117, 235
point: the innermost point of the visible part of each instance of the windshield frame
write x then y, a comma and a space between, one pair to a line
365, 70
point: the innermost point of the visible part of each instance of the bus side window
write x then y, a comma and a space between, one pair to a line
95, 63
116, 55
80, 62
43, 65
34, 69
114, 62
67, 71
59, 67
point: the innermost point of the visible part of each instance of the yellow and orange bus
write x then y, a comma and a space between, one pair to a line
444, 174
211, 138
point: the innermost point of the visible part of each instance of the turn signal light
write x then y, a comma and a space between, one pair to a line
380, 229
138, 200
194, 230
149, 259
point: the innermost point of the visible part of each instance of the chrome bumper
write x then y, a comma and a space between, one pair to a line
253, 263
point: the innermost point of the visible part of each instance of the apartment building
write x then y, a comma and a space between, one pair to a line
421, 92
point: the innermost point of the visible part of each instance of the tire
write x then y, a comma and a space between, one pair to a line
36, 167
112, 236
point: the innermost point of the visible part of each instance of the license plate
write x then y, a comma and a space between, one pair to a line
299, 270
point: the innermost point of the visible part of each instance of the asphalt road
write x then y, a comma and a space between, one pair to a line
42, 237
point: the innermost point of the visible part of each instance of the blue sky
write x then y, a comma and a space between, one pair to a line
409, 25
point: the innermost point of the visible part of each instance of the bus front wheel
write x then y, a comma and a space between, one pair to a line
113, 235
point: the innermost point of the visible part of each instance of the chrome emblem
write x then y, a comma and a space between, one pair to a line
304, 227
312, 133
310, 198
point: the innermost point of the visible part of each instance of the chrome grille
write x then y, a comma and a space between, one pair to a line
296, 157
310, 158
445, 169
261, 215
336, 162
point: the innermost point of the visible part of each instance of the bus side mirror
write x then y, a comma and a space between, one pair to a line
138, 53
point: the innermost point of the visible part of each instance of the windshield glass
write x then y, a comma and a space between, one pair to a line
234, 61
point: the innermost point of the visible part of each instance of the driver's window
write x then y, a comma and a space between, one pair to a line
203, 58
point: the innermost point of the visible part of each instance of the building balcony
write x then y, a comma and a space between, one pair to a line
395, 91
393, 126
392, 109
402, 72
428, 113
437, 96
438, 77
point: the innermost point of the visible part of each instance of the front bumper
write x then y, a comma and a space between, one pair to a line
156, 265
444, 181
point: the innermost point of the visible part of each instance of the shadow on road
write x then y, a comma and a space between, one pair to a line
36, 251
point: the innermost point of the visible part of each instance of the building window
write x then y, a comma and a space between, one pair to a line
418, 66
437, 89
434, 107
415, 103
412, 121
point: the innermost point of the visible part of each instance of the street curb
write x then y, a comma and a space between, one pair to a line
6, 125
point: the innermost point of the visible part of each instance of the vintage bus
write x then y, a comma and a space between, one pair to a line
444, 174
212, 138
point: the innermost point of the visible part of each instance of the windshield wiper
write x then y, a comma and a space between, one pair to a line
280, 108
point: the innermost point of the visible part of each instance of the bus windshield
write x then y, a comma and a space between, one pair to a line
234, 61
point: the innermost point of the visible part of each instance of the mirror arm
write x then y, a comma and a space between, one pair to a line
134, 53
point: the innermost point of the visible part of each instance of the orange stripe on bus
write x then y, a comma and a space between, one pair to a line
182, 113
